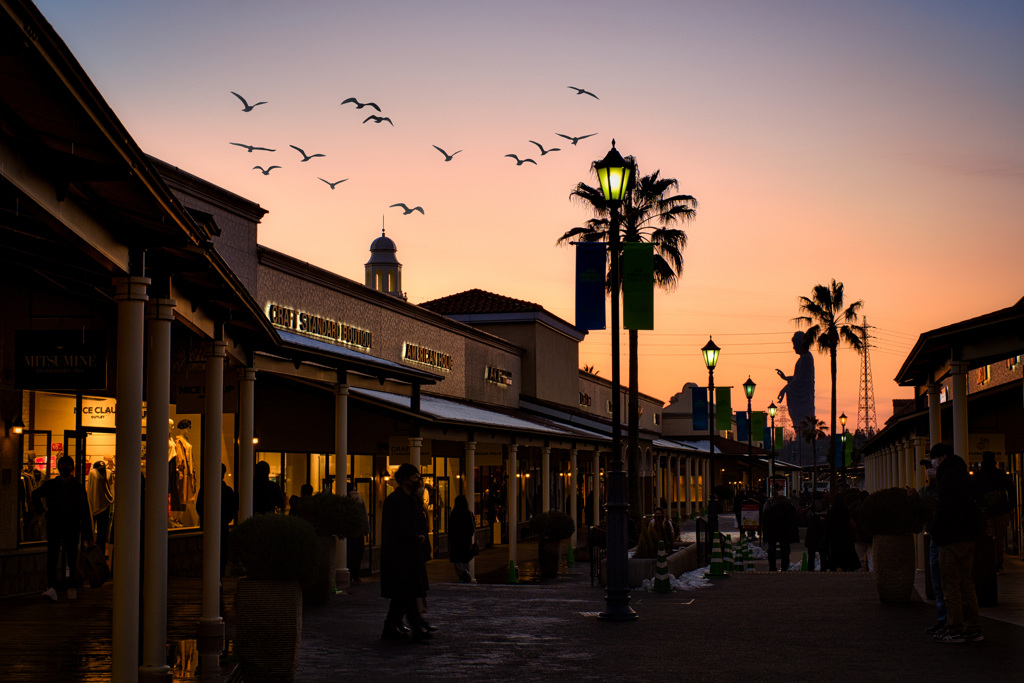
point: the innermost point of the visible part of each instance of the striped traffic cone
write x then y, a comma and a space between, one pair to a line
570, 557
803, 563
717, 568
750, 558
661, 580
739, 554
727, 553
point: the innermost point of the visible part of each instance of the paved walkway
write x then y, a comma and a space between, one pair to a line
794, 626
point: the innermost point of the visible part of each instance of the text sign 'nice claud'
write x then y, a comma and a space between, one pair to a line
285, 318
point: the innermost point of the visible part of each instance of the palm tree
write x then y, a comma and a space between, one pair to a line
828, 324
811, 429
646, 212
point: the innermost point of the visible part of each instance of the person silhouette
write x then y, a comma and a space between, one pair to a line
799, 389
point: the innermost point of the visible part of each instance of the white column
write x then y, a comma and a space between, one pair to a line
687, 485
574, 511
958, 378
246, 451
470, 489
513, 501
545, 478
658, 490
211, 625
131, 300
341, 574
934, 415
679, 486
154, 584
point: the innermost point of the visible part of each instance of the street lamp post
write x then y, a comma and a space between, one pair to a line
748, 389
772, 410
614, 174
710, 353
842, 455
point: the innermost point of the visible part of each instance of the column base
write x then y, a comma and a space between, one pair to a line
155, 674
210, 636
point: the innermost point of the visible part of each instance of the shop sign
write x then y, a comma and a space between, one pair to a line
425, 356
189, 393
318, 327
498, 376
60, 360
979, 443
398, 450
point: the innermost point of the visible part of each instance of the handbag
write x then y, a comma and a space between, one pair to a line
92, 564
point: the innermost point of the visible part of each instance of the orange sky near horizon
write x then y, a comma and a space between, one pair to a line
878, 144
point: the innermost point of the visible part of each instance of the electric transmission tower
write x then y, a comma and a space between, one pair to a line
867, 422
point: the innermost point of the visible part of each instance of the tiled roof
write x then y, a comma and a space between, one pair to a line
479, 301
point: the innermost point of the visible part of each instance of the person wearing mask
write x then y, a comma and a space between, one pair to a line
68, 521
403, 574
956, 527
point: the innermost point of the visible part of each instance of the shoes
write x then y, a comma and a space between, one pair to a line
51, 593
974, 637
421, 633
72, 594
395, 632
938, 627
949, 637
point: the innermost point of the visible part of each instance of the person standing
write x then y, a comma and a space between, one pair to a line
663, 528
929, 495
228, 514
956, 527
778, 520
403, 573
461, 535
357, 543
68, 521
996, 495
101, 497
267, 496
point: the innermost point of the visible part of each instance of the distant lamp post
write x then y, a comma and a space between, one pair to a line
842, 456
748, 389
614, 174
710, 353
772, 410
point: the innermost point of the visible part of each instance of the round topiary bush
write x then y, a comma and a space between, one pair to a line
275, 547
333, 515
892, 512
553, 525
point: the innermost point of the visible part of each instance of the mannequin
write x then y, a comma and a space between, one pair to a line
183, 473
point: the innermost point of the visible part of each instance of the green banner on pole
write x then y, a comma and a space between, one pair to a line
757, 422
638, 286
848, 455
778, 438
723, 408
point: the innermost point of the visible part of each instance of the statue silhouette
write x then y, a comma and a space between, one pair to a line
799, 389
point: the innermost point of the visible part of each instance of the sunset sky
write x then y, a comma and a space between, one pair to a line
877, 143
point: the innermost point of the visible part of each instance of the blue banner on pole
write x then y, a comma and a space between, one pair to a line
741, 425
591, 261
700, 409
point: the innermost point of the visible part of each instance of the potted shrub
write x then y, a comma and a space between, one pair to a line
892, 517
551, 528
277, 554
333, 517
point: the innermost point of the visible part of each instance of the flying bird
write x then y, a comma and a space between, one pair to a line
250, 148
581, 91
377, 119
245, 105
360, 105
305, 157
447, 156
575, 140
520, 162
545, 151
406, 209
336, 182
266, 171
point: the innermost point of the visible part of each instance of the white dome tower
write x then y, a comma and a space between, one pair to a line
383, 271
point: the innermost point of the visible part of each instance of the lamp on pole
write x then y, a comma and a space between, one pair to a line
614, 174
748, 389
772, 410
842, 455
710, 353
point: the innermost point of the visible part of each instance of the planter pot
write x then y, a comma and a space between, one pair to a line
268, 629
323, 585
549, 554
894, 566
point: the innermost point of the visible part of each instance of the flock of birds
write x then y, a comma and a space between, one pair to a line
406, 210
